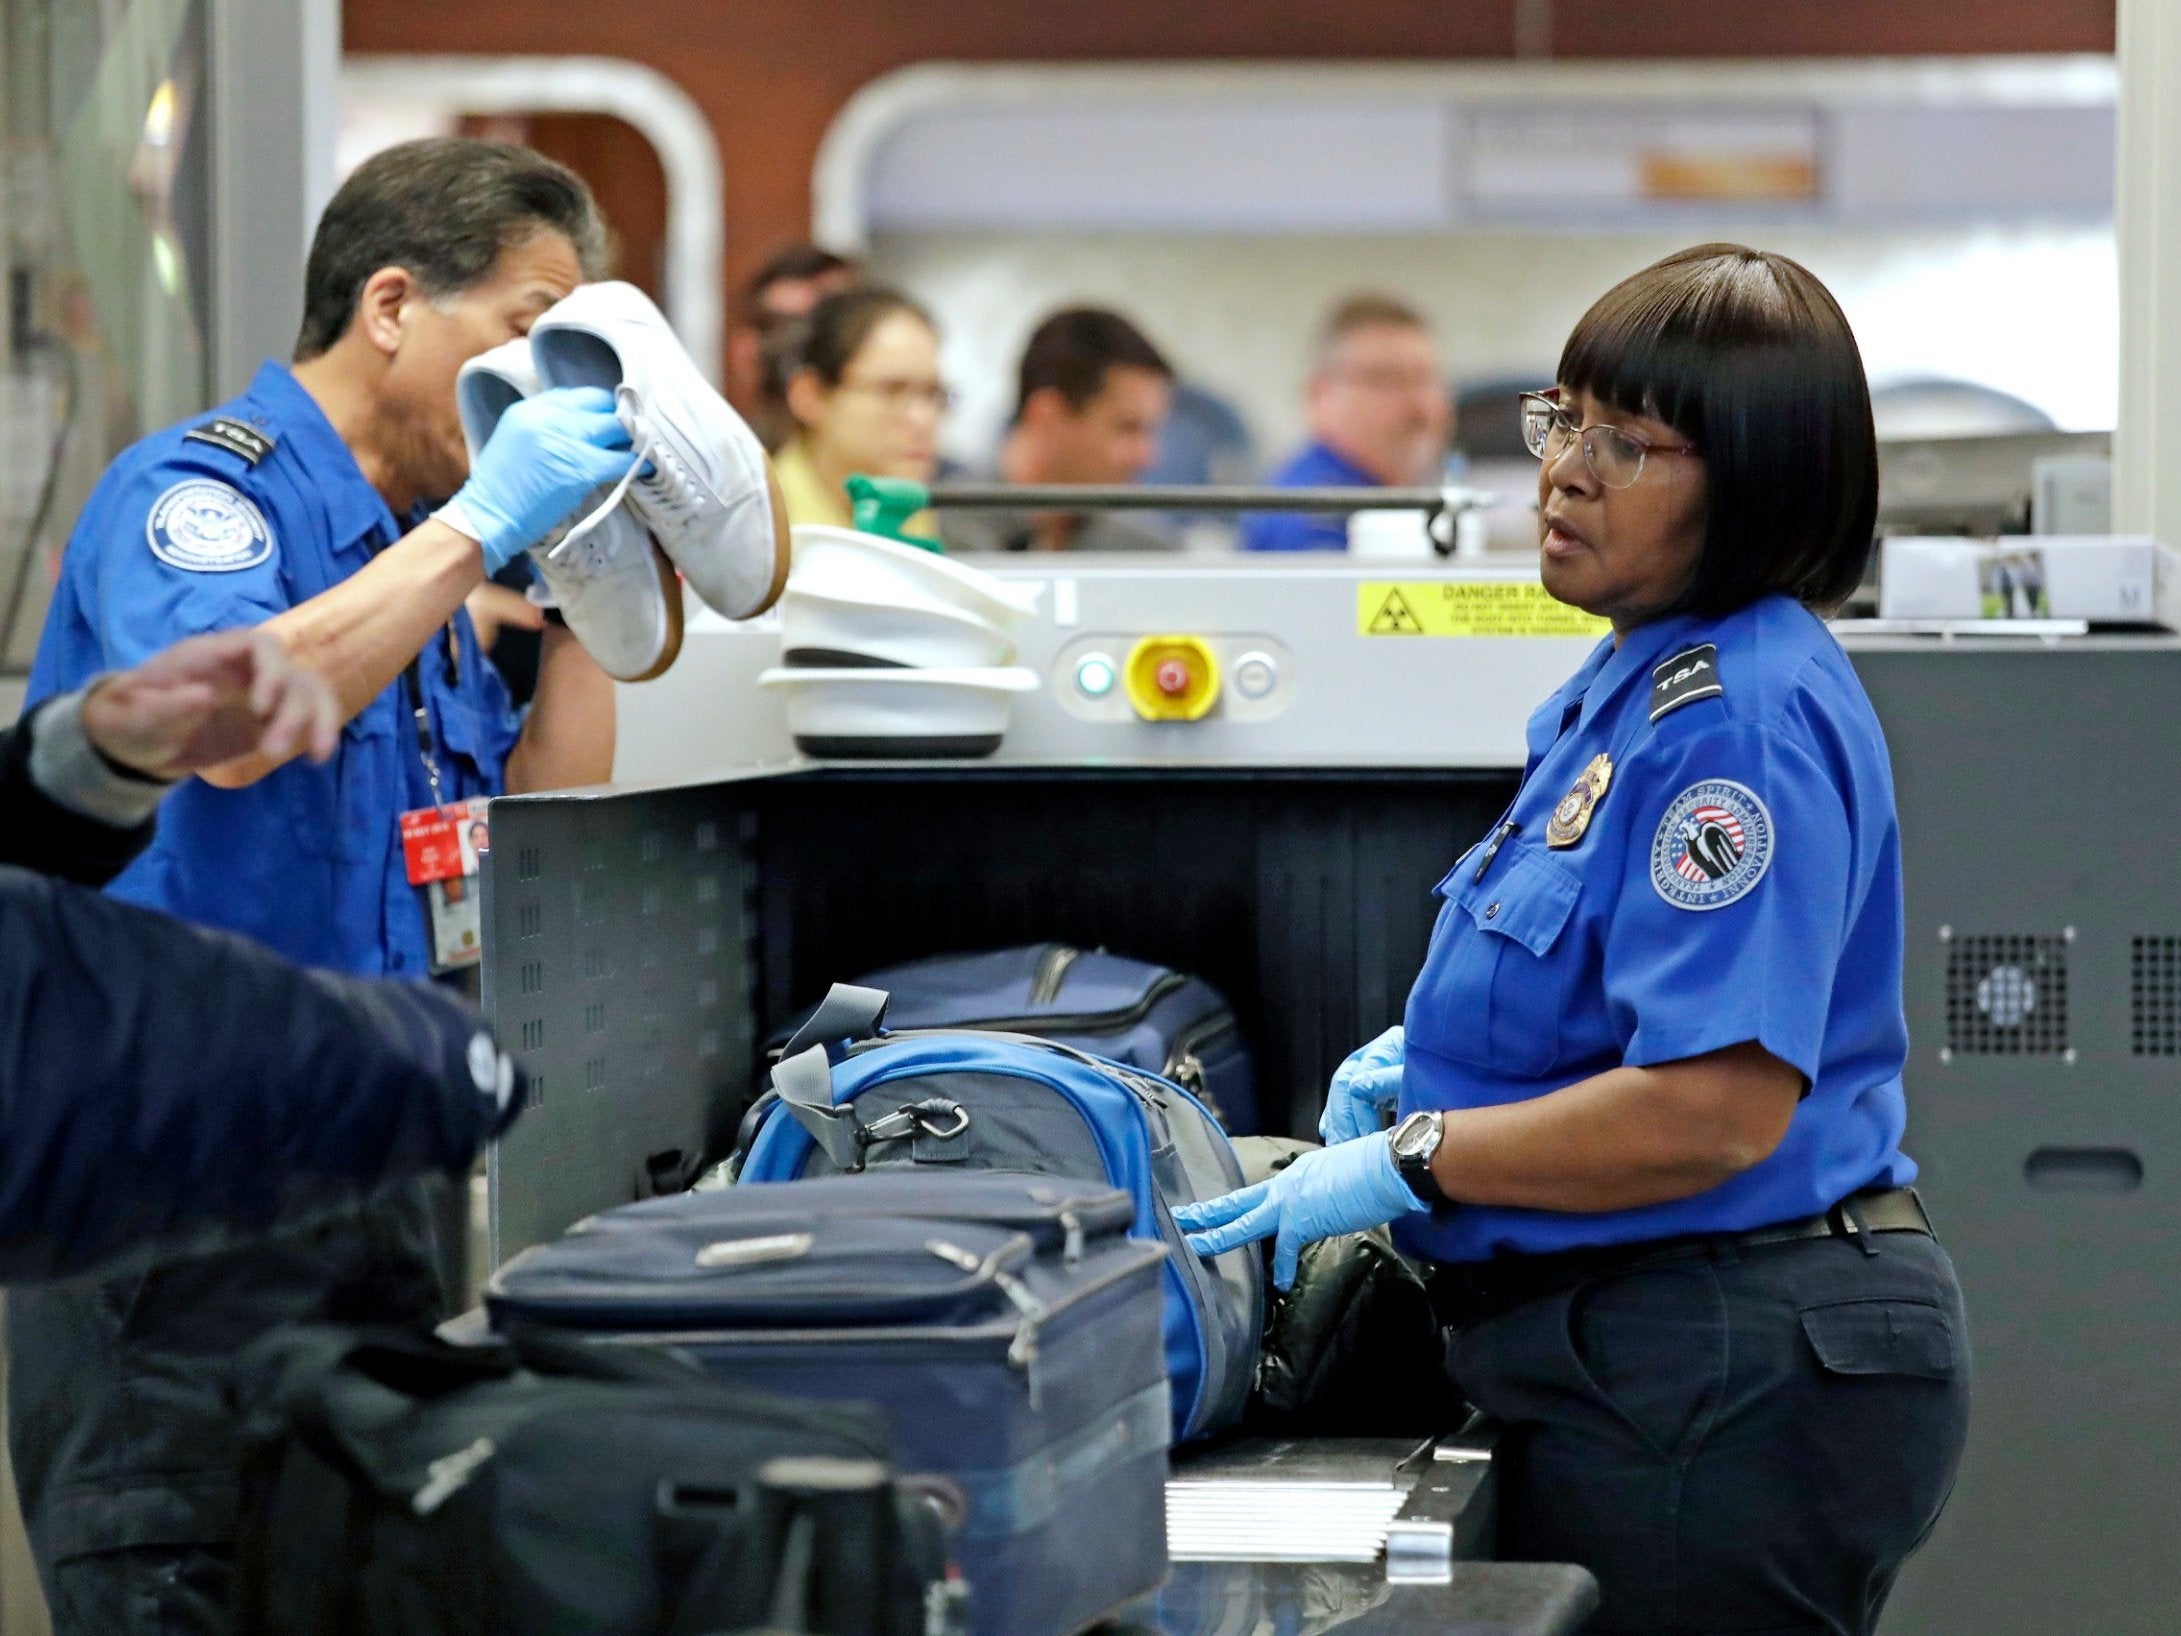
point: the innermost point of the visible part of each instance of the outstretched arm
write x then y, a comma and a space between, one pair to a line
165, 1088
81, 778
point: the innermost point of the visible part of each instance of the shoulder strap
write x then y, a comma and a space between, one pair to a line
846, 1013
804, 1082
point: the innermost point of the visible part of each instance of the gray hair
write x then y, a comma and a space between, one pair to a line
445, 208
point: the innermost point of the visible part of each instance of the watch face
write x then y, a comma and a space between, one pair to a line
1415, 1136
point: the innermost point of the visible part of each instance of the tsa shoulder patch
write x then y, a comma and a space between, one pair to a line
1712, 847
206, 527
235, 436
1689, 675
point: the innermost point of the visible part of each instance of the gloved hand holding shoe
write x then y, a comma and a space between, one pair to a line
544, 458
1364, 1089
1346, 1189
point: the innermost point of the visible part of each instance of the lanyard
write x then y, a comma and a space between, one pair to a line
412, 681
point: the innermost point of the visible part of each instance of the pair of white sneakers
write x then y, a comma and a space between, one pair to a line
701, 498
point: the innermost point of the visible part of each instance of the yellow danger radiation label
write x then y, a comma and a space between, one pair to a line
1467, 607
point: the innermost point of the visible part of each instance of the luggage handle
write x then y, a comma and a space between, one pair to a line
846, 1013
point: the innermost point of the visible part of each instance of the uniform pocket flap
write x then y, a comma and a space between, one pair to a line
1882, 1338
1530, 902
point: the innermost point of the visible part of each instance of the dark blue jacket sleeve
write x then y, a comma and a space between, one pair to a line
163, 1087
40, 834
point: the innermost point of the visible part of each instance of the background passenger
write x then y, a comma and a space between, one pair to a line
863, 385
1091, 395
792, 280
1379, 416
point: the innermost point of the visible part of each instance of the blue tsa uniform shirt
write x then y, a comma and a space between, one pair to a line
1313, 466
1703, 852
224, 522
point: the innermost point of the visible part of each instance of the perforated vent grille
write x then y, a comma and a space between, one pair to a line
2006, 995
2154, 997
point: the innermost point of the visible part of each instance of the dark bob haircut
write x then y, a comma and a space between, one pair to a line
1749, 357
444, 208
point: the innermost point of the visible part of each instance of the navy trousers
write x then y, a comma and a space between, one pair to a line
1737, 1442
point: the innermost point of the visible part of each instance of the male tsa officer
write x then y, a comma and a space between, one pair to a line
304, 505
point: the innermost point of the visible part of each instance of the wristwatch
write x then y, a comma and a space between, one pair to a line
1415, 1140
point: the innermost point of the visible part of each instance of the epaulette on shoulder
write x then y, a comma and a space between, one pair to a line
1688, 676
237, 437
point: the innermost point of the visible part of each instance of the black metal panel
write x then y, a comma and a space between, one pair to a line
640, 947
1305, 896
2037, 795
618, 955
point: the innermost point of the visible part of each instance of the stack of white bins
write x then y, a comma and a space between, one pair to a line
891, 651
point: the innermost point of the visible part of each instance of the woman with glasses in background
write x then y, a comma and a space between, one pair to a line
862, 383
1649, 1084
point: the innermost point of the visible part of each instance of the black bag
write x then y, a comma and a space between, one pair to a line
398, 1484
1145, 1016
1354, 1349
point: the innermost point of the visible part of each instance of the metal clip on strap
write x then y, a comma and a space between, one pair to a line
934, 1117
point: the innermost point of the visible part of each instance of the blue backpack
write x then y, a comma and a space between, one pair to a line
849, 1097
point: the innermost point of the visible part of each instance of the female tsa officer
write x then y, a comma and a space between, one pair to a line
1651, 1072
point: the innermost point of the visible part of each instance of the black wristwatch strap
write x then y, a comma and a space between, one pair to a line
1416, 1172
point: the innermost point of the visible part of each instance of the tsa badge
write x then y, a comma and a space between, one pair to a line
1572, 816
1713, 845
207, 527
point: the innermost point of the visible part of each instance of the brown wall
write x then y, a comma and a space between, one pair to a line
771, 74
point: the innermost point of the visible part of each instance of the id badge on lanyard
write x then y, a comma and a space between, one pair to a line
440, 846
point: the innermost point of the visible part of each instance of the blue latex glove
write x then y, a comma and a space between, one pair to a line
1347, 1189
545, 457
1364, 1088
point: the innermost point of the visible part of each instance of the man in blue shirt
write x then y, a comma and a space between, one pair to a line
1379, 417
304, 506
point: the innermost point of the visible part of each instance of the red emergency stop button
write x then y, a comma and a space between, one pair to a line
1171, 678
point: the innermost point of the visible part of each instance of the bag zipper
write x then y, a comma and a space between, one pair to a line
1185, 1066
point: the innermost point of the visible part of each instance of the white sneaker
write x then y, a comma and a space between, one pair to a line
711, 497
606, 574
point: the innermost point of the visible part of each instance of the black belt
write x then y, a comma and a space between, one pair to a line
1463, 1290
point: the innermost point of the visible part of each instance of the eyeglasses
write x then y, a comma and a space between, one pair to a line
1614, 457
898, 395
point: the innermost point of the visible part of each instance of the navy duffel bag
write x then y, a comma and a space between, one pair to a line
853, 1096
1129, 1011
1006, 1323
